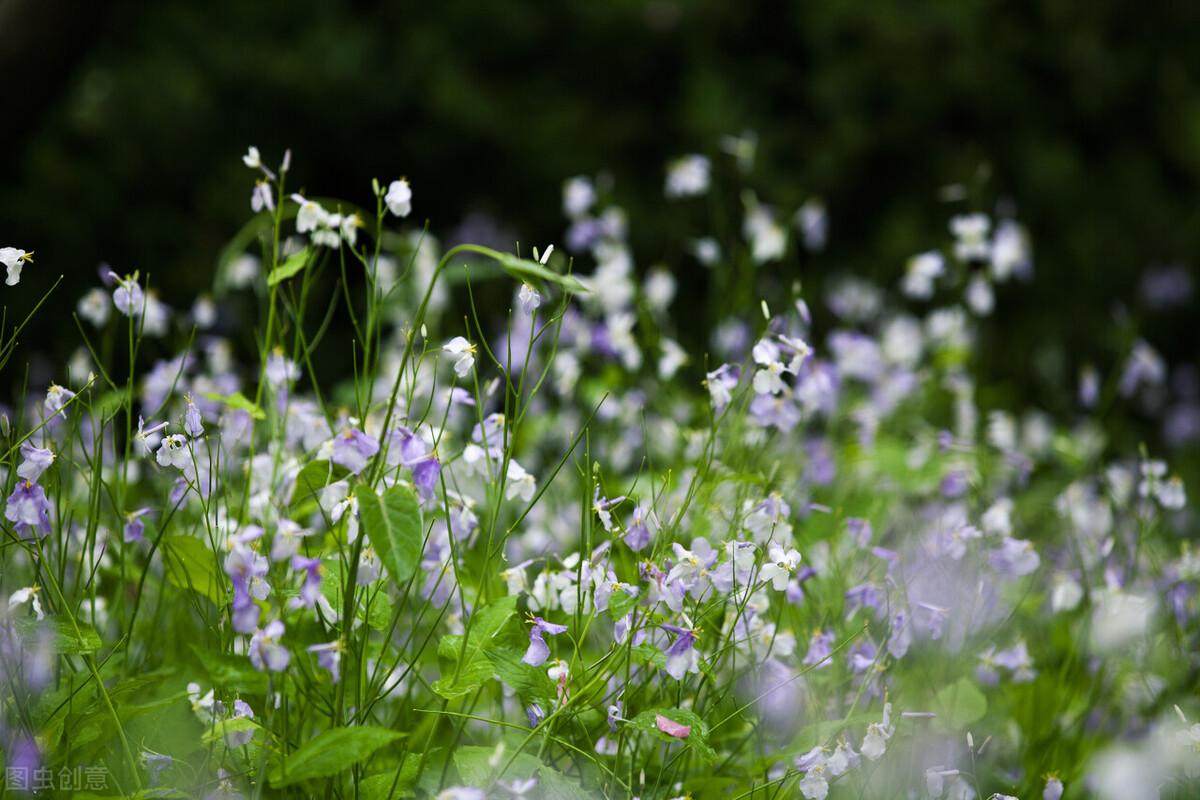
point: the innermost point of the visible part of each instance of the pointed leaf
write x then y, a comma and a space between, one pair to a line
333, 751
393, 526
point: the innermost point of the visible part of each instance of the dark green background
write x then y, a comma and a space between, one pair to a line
125, 123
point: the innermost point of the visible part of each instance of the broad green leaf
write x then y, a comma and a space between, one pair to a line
238, 402
222, 727
333, 751
291, 265
621, 603
559, 787
959, 704
315, 476
393, 526
480, 766
531, 684
190, 565
476, 669
646, 722
231, 673
66, 639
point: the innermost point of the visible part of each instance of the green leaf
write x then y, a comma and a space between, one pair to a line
524, 269
293, 264
697, 740
475, 767
190, 565
221, 727
393, 526
315, 476
333, 751
66, 640
531, 684
378, 616
556, 786
621, 603
237, 401
959, 704
232, 673
476, 669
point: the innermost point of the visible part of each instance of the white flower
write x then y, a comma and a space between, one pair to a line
814, 785
27, 595
173, 452
769, 379
252, 159
687, 176
464, 353
971, 236
673, 357
529, 298
93, 307
875, 742
399, 198
311, 214
781, 566
659, 289
578, 196
979, 296
1065, 595
14, 259
519, 483
922, 271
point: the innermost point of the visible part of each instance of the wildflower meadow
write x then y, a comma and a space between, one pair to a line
542, 548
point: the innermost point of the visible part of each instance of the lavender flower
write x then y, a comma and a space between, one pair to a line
36, 461
265, 650
310, 590
329, 657
135, 529
681, 654
353, 449
28, 508
538, 650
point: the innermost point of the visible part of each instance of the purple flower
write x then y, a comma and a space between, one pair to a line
864, 595
536, 714
862, 656
538, 650
1015, 558
637, 532
36, 461
859, 530
329, 657
681, 654
901, 636
134, 527
246, 569
24, 761
353, 448
425, 474
777, 411
311, 590
819, 649
28, 508
265, 650
192, 423
407, 449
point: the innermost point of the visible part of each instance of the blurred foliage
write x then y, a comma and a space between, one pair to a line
1086, 120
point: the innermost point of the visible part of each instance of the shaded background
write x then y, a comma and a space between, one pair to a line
125, 123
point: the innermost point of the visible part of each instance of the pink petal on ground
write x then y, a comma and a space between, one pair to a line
671, 727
